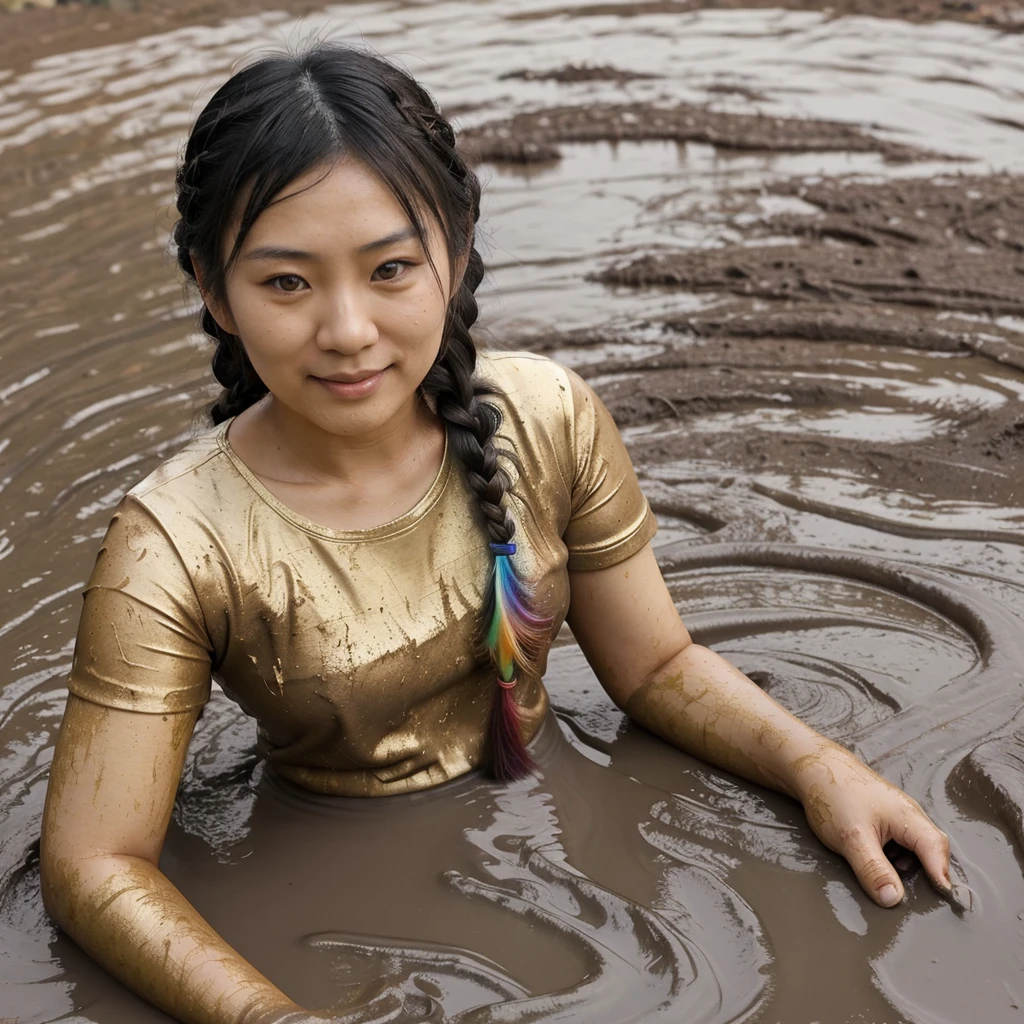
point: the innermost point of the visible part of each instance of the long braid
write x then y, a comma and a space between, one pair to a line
514, 631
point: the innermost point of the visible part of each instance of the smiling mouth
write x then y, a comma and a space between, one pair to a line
354, 378
352, 385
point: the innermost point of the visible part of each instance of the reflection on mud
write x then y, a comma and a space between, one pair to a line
816, 353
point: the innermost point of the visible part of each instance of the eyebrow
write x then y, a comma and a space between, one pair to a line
401, 235
276, 252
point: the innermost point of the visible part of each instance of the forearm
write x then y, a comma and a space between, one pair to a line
707, 707
125, 913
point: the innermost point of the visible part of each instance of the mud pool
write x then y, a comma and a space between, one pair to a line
788, 252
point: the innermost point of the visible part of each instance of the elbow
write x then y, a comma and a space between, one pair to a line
54, 890
61, 882
666, 667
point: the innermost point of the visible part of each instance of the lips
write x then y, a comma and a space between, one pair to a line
360, 384
349, 378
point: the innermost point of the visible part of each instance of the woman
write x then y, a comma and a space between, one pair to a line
376, 545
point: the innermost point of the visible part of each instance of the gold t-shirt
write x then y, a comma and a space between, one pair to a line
357, 652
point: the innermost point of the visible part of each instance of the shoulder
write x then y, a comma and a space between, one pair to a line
198, 458
543, 394
543, 405
533, 388
523, 373
187, 494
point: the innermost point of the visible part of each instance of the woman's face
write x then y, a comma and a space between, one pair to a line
336, 302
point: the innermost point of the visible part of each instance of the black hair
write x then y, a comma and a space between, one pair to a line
286, 115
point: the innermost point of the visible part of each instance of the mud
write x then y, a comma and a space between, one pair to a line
875, 264
835, 450
31, 33
1008, 17
534, 136
576, 73
951, 245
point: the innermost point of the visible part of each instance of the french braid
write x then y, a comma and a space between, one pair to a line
231, 366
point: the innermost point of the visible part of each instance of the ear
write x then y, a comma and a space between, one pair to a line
218, 310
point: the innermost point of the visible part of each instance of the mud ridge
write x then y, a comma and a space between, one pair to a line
576, 73
533, 136
948, 244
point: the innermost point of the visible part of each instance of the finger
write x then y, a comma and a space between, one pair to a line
931, 845
875, 873
903, 860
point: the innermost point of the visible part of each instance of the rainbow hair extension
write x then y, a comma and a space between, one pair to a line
516, 635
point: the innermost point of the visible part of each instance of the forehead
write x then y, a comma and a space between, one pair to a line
344, 204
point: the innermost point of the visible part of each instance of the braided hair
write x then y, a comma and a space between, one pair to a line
284, 116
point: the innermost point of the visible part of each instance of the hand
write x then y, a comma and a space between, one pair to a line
855, 812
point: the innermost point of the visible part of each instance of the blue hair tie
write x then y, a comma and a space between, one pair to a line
503, 549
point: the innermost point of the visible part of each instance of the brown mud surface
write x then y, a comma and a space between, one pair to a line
950, 245
877, 264
31, 33
534, 136
38, 32
1008, 17
576, 73
809, 329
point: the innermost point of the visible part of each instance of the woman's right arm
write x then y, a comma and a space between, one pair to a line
112, 787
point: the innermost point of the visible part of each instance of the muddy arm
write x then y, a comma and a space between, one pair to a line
112, 788
626, 623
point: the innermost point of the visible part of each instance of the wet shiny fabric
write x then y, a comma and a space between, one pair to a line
357, 651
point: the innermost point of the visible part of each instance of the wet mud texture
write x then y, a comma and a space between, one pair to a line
1008, 17
37, 32
534, 136
949, 245
873, 264
810, 334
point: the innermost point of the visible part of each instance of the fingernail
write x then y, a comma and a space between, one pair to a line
889, 895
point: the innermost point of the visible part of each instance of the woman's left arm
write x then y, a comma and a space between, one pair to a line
626, 624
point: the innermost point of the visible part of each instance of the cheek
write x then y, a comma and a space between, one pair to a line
270, 331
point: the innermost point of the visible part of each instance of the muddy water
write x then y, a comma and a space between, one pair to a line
837, 464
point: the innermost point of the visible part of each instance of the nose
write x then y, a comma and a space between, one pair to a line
345, 323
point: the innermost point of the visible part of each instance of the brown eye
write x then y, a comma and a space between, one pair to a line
288, 283
389, 271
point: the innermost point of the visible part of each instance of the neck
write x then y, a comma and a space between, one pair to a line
305, 452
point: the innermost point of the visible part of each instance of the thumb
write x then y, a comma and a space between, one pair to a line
873, 869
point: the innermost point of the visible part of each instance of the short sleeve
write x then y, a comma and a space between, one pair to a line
610, 517
142, 643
